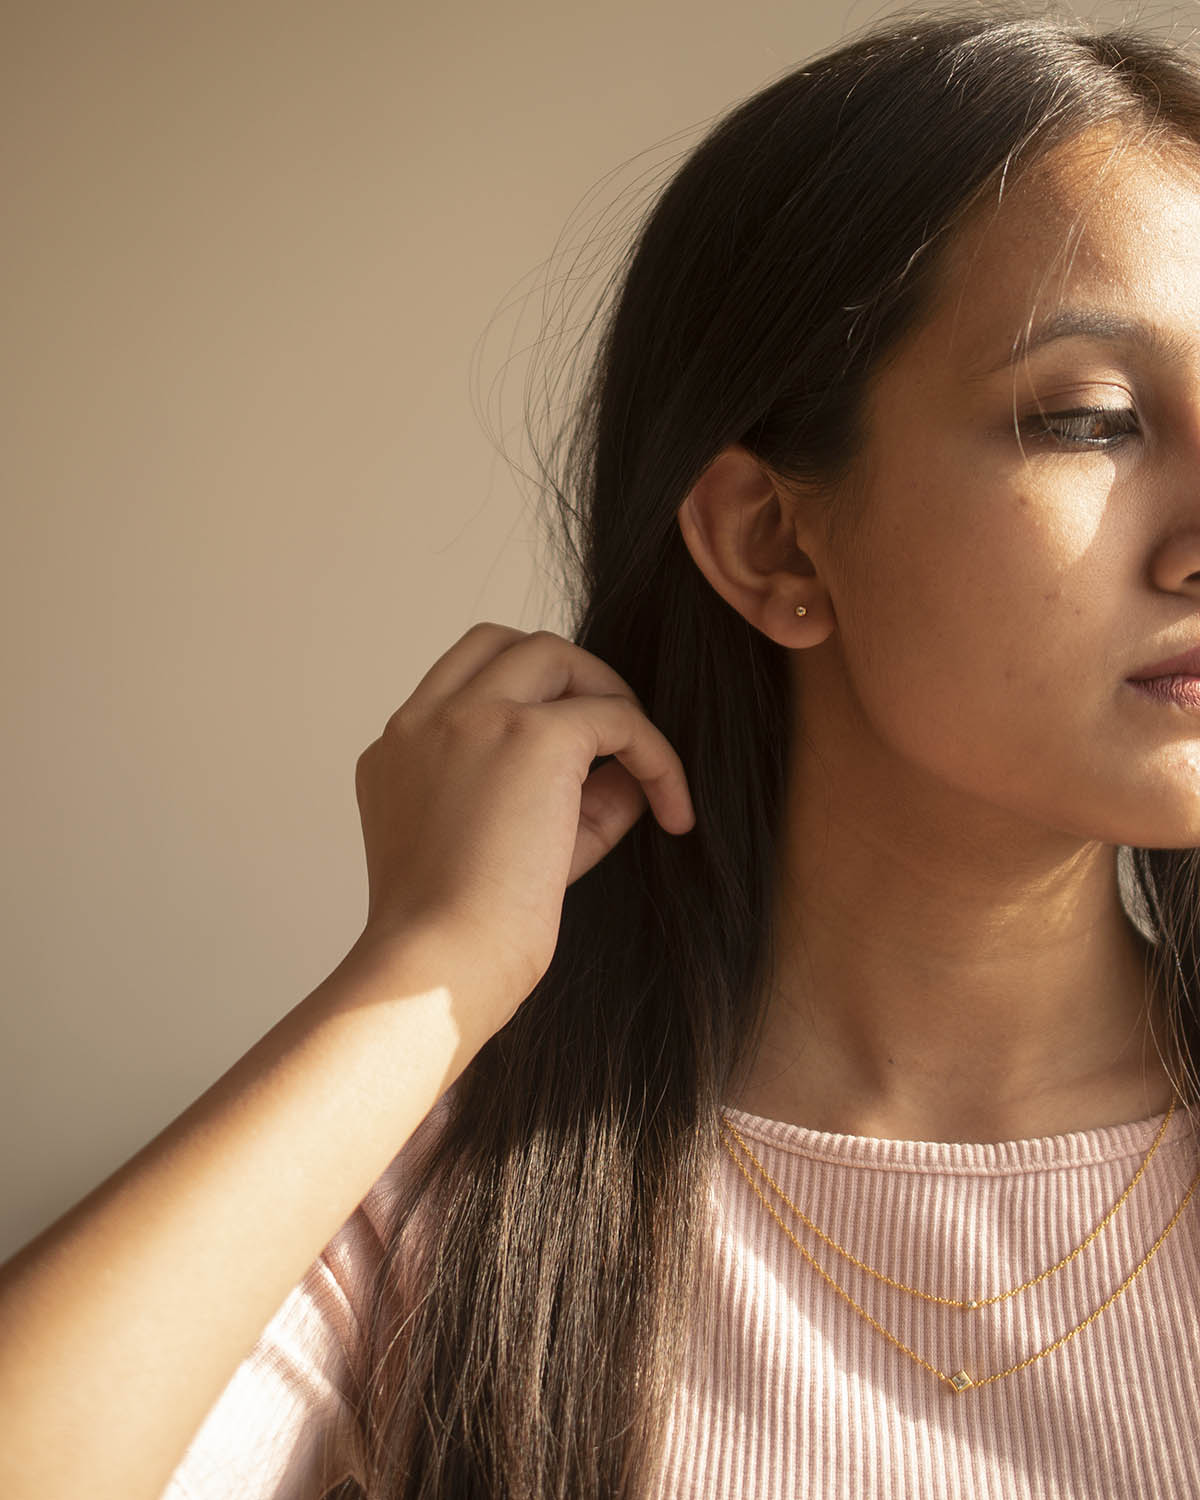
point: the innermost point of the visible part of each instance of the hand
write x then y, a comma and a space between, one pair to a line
477, 805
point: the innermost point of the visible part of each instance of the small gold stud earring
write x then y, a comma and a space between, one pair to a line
800, 609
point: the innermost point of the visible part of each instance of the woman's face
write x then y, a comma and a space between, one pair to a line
1010, 567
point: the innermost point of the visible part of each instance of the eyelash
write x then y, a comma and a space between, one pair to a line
1057, 425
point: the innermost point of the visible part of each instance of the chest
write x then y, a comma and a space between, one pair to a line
807, 1376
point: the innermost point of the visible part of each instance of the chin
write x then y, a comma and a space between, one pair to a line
1176, 827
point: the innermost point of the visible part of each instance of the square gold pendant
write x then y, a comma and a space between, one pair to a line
961, 1381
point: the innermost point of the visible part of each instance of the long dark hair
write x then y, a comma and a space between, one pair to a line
545, 1247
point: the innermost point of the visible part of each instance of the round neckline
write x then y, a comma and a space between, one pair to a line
1035, 1153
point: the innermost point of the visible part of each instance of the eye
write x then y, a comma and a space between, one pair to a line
1084, 426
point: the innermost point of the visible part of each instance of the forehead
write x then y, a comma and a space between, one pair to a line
1102, 223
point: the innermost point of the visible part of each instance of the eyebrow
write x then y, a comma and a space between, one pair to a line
1111, 328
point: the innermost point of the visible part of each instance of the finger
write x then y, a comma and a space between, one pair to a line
456, 667
613, 726
542, 667
610, 803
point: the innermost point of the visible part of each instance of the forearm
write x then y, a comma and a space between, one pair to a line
124, 1320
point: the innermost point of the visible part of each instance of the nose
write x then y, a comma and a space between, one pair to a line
1176, 564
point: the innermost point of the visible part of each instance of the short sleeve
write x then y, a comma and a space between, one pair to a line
284, 1428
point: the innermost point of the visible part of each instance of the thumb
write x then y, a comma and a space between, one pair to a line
610, 803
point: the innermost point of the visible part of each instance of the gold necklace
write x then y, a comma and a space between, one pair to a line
929, 1296
959, 1380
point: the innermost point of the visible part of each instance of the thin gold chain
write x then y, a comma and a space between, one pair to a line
929, 1296
960, 1380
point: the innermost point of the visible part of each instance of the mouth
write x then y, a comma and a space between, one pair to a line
1187, 664
1179, 689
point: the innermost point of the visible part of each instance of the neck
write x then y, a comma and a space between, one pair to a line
943, 974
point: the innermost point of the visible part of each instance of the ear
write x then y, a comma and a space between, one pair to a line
741, 527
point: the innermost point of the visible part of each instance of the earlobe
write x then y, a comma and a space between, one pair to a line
798, 625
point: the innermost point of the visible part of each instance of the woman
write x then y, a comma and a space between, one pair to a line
827, 1130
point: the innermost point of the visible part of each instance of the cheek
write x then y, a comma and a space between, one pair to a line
985, 622
973, 607
949, 578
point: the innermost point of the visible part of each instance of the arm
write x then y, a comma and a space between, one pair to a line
124, 1320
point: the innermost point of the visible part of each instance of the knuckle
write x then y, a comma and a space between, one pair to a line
449, 718
491, 630
513, 720
496, 718
365, 755
398, 723
366, 770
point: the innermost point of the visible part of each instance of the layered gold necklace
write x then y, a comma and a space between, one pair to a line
743, 1158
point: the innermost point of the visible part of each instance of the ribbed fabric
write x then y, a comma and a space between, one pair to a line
788, 1392
785, 1392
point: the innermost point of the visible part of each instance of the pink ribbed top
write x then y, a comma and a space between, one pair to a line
785, 1391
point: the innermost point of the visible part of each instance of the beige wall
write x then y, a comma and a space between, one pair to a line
249, 249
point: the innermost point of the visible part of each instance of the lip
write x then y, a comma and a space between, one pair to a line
1186, 665
1182, 692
